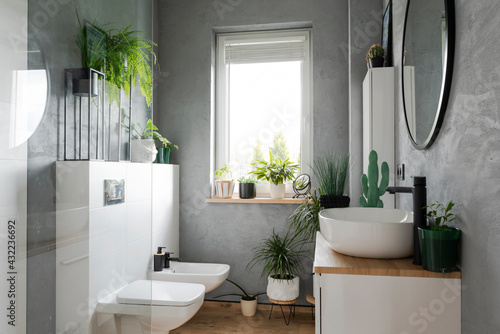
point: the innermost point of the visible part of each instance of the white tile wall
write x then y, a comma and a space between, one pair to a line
100, 171
139, 259
108, 228
138, 220
138, 186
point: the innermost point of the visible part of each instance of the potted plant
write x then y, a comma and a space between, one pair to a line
224, 185
375, 56
439, 243
304, 221
331, 173
277, 172
165, 149
248, 302
142, 146
247, 187
281, 258
121, 54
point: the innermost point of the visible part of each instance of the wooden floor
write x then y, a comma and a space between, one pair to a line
220, 318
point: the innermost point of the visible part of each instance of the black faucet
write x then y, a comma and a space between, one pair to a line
419, 192
168, 259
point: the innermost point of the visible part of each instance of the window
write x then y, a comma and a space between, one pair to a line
263, 100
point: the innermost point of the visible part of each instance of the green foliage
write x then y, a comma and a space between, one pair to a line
257, 152
244, 295
148, 132
127, 55
281, 256
375, 51
371, 190
223, 173
304, 221
280, 149
441, 214
247, 179
331, 173
276, 171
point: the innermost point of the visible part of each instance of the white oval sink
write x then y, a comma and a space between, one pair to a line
211, 275
368, 232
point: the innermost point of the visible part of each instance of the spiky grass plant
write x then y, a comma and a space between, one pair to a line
244, 295
282, 257
304, 221
331, 173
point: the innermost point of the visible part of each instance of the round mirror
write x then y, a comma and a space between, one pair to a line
428, 45
24, 83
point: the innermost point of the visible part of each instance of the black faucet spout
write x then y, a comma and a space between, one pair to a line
168, 259
419, 192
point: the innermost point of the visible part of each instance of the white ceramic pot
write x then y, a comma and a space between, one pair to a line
248, 307
143, 150
277, 191
224, 189
283, 289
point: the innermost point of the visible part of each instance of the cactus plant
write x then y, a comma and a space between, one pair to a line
371, 189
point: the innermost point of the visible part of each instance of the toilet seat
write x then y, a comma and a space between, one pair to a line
160, 293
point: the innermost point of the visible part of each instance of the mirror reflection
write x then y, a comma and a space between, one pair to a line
425, 69
23, 78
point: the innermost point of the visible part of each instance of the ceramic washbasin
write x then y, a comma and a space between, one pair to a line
209, 274
368, 232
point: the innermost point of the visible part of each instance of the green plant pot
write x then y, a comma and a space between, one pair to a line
163, 156
439, 248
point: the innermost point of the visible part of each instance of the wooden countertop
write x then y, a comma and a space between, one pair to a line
327, 261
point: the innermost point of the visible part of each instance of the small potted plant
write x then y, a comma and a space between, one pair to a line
247, 187
375, 56
331, 173
224, 185
439, 243
281, 258
248, 302
142, 146
165, 149
276, 172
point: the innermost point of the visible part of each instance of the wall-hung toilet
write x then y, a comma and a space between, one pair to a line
146, 306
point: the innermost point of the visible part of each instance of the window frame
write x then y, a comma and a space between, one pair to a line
222, 99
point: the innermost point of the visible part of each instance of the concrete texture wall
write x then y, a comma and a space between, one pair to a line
227, 233
52, 24
463, 164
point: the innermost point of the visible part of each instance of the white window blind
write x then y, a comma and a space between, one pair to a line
265, 51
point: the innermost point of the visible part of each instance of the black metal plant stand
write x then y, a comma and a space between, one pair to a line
291, 306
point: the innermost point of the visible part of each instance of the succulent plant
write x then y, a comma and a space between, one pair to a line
375, 51
371, 189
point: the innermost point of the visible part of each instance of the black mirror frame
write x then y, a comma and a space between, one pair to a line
449, 6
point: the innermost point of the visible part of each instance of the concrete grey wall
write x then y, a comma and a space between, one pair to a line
463, 164
227, 233
52, 24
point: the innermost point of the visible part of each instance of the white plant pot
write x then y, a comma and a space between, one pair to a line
224, 189
283, 289
248, 307
143, 150
277, 191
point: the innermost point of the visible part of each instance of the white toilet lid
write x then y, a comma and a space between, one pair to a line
163, 293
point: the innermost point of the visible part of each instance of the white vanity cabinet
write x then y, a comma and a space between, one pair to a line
358, 296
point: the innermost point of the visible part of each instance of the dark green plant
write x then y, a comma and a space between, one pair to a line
150, 131
281, 256
247, 179
304, 221
331, 173
376, 50
441, 215
276, 171
371, 189
244, 295
127, 55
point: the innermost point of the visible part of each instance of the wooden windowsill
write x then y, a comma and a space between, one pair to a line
257, 200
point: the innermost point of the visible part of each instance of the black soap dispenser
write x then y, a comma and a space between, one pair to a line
158, 259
